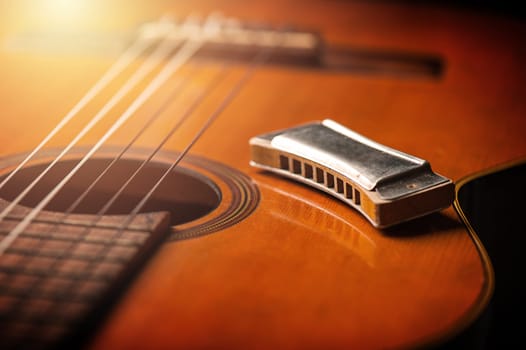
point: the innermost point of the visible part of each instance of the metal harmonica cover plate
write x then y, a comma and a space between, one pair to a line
386, 185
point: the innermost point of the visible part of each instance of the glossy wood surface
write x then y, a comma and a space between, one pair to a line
304, 270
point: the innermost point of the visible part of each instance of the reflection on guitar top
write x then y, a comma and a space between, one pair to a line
337, 228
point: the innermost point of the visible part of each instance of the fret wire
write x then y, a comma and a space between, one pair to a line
56, 293
56, 254
69, 222
46, 274
67, 238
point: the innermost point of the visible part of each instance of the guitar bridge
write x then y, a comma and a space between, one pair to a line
385, 185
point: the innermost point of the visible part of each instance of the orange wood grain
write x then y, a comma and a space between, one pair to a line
305, 271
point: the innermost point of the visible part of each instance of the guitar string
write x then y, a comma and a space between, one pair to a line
68, 251
179, 86
157, 113
183, 54
234, 91
144, 69
189, 111
124, 60
226, 101
152, 61
174, 93
116, 234
136, 49
186, 114
259, 60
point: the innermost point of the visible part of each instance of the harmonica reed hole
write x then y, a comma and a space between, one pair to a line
319, 175
284, 163
308, 171
348, 191
339, 185
296, 166
330, 180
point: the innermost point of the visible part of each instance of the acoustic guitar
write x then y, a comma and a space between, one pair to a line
132, 218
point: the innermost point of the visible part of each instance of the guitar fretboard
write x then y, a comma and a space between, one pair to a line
58, 280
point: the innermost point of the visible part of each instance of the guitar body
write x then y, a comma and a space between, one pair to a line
288, 266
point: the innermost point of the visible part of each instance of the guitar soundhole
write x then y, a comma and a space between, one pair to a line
185, 193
